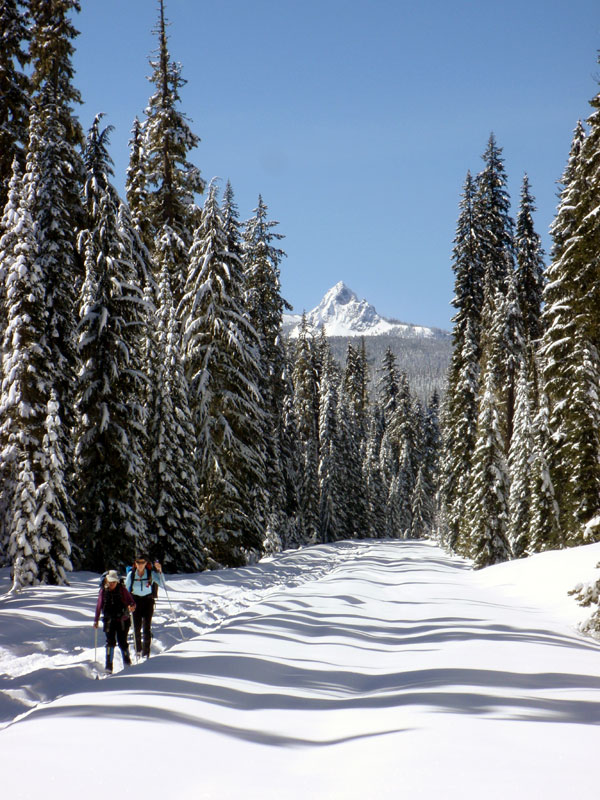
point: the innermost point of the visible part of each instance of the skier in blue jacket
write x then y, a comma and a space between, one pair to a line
143, 582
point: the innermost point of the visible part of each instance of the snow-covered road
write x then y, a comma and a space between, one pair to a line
359, 670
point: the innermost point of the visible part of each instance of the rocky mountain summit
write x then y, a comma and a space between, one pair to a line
343, 314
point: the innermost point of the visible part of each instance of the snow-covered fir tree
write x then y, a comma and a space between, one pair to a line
354, 519
487, 505
174, 525
374, 479
356, 380
23, 548
265, 306
306, 408
422, 510
162, 182
111, 434
136, 186
530, 266
404, 435
14, 90
430, 460
290, 534
388, 386
329, 464
544, 529
572, 337
520, 460
51, 52
221, 358
55, 140
460, 411
491, 208
26, 378
51, 523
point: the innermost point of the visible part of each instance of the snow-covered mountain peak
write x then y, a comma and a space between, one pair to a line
342, 313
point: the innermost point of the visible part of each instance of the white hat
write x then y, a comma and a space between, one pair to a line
112, 577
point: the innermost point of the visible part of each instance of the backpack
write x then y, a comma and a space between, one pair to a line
132, 572
113, 606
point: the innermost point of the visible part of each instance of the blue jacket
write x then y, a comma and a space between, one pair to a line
142, 586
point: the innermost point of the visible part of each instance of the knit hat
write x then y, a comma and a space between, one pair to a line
112, 577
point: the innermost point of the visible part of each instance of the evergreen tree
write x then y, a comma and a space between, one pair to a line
544, 530
421, 507
430, 460
55, 139
463, 375
27, 378
23, 544
306, 399
265, 305
329, 490
111, 434
58, 213
530, 266
487, 506
51, 52
136, 185
354, 504
374, 482
291, 460
403, 434
14, 90
390, 472
572, 336
51, 523
388, 387
220, 350
162, 182
492, 207
581, 500
356, 380
459, 437
520, 460
173, 486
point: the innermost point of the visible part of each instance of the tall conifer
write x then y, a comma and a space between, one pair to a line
112, 426
14, 90
162, 182
220, 348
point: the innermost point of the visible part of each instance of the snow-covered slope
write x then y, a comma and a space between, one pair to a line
343, 314
339, 672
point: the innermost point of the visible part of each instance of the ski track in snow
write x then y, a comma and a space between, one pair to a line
47, 637
368, 670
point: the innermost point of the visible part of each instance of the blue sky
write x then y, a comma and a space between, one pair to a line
357, 120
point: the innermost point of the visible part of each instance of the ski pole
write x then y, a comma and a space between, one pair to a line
172, 609
95, 644
133, 634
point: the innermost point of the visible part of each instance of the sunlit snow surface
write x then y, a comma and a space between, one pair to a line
358, 670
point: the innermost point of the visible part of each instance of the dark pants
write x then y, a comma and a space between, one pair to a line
142, 622
116, 631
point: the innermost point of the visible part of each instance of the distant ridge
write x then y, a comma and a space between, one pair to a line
341, 313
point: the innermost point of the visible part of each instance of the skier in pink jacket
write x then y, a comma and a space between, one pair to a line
115, 603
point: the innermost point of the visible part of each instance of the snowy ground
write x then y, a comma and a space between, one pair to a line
359, 670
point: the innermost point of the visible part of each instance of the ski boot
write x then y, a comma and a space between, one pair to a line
110, 651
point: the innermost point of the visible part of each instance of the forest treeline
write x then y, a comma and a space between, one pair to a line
148, 398
150, 401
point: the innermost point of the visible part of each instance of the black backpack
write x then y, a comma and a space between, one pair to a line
113, 606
